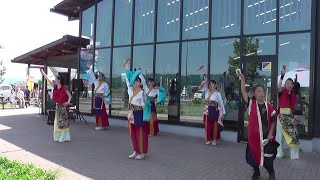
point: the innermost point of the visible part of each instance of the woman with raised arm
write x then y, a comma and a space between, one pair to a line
261, 148
101, 98
214, 110
62, 98
139, 113
287, 124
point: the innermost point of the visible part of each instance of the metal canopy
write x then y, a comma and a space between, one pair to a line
60, 53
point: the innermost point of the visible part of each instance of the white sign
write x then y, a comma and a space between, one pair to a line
266, 66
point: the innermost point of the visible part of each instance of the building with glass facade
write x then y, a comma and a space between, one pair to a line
171, 39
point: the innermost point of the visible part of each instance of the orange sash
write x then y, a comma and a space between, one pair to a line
100, 84
209, 97
134, 95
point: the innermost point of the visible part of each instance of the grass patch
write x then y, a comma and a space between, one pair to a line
6, 105
12, 170
192, 109
162, 109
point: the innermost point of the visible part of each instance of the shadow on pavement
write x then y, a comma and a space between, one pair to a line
104, 154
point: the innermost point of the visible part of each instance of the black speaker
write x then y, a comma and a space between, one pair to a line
51, 117
65, 76
77, 85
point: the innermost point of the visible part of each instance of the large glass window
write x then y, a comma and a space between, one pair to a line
294, 52
123, 22
104, 24
195, 22
143, 59
260, 16
167, 69
194, 55
226, 17
102, 63
87, 30
262, 45
120, 97
168, 20
85, 99
86, 57
295, 15
224, 60
144, 21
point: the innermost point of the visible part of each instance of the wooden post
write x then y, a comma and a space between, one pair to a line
69, 79
44, 91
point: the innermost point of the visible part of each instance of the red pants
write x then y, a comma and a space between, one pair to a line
211, 130
153, 125
139, 138
102, 120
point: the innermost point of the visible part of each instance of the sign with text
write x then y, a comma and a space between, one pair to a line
266, 66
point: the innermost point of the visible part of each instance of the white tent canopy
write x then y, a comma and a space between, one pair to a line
303, 77
56, 70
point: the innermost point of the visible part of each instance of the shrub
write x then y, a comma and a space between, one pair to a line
162, 109
197, 101
15, 170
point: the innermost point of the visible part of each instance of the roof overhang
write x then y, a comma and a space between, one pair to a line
71, 8
60, 53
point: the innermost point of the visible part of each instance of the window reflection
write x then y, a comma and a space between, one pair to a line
123, 22
168, 20
295, 15
167, 65
226, 15
87, 30
194, 55
144, 21
120, 97
143, 59
294, 52
260, 16
222, 68
86, 57
261, 45
102, 63
195, 22
85, 99
104, 24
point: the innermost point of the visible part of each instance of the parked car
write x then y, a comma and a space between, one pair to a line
5, 90
198, 95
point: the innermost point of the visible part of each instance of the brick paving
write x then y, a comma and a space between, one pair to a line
91, 154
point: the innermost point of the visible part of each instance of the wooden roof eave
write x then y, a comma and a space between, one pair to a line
71, 8
64, 48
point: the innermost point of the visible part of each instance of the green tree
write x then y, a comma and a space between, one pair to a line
250, 47
2, 69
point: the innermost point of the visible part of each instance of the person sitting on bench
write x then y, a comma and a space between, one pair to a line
12, 99
20, 97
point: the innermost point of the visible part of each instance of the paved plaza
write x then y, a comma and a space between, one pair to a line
25, 136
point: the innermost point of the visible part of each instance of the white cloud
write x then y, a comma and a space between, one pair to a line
27, 25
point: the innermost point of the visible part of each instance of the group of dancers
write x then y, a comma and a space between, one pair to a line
264, 121
142, 116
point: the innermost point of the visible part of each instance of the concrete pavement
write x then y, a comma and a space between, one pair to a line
25, 136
